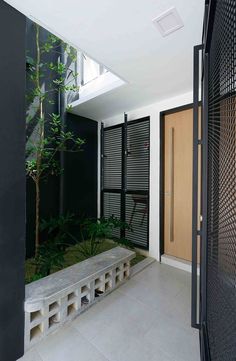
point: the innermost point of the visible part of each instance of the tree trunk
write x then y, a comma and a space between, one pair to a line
37, 203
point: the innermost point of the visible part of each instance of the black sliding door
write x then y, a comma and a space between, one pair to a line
221, 230
218, 273
125, 177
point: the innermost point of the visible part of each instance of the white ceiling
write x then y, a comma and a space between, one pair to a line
120, 34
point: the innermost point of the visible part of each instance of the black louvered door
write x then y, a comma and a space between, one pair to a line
125, 177
137, 173
111, 173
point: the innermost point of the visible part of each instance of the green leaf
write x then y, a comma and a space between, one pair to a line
69, 108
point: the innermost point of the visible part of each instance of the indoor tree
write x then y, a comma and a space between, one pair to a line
49, 136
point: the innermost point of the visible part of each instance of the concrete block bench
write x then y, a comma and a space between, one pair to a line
59, 298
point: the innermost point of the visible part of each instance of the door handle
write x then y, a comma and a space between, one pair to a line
171, 193
195, 297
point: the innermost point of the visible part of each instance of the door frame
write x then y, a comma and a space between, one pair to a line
162, 167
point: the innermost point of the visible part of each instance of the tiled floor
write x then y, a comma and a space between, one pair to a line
145, 319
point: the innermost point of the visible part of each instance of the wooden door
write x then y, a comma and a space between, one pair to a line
178, 158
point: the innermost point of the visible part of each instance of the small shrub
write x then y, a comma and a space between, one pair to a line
99, 230
36, 277
59, 227
50, 256
51, 252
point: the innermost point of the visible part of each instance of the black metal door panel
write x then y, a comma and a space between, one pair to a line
218, 320
221, 270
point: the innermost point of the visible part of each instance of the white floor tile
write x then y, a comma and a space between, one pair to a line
31, 355
148, 319
174, 339
68, 345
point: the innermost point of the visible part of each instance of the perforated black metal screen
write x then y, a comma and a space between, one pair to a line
221, 267
125, 178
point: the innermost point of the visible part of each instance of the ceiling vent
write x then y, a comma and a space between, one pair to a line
168, 22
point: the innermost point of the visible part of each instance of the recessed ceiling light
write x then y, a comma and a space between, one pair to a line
168, 22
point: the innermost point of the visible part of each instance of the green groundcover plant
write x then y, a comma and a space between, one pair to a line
60, 243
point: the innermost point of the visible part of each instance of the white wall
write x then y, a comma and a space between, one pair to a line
153, 110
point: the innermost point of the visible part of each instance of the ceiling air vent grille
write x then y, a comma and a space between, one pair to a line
168, 22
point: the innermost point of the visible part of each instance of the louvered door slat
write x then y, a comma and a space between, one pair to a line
112, 158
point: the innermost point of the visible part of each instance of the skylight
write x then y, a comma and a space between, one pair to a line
93, 80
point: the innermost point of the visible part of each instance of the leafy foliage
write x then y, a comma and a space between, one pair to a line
49, 136
124, 242
95, 233
99, 230
72, 256
35, 277
59, 227
51, 252
50, 255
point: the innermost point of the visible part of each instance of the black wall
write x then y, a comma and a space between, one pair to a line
80, 190
80, 181
12, 182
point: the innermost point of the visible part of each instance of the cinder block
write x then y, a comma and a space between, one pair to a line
57, 299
